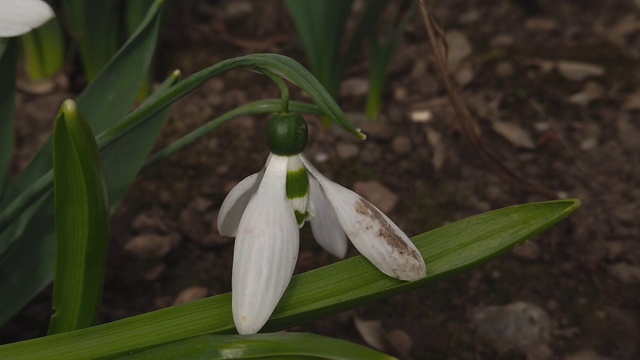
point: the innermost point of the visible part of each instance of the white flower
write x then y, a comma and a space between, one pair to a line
264, 212
20, 16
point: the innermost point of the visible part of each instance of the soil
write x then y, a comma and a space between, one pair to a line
571, 127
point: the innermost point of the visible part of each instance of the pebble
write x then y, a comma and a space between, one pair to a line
154, 220
146, 246
377, 194
346, 150
459, 47
585, 354
578, 70
154, 273
519, 326
401, 145
540, 24
354, 87
624, 272
421, 116
528, 251
504, 69
191, 294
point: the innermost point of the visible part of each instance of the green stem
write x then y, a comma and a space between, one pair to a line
284, 90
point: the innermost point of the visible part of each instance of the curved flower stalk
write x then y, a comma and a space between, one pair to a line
18, 17
265, 210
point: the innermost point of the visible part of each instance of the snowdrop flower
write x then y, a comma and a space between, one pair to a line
265, 211
18, 17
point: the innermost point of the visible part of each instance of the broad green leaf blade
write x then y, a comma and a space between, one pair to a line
134, 146
28, 267
8, 56
95, 26
447, 250
260, 346
81, 223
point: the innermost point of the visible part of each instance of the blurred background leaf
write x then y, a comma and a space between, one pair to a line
8, 56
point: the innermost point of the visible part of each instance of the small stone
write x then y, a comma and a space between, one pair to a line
354, 87
191, 294
401, 145
236, 9
154, 220
528, 251
154, 273
626, 273
502, 40
400, 93
585, 354
632, 102
193, 224
577, 70
421, 116
540, 25
516, 135
146, 246
504, 69
346, 150
628, 134
519, 326
459, 47
377, 194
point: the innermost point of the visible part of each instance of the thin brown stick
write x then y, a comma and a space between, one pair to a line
467, 122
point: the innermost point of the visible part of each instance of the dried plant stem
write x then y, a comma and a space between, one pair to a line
467, 122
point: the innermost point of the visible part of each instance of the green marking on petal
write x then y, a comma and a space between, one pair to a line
297, 184
300, 217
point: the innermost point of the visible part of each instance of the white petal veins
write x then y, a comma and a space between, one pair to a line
374, 235
265, 252
324, 224
235, 204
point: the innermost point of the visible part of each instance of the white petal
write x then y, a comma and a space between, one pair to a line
265, 251
325, 225
235, 203
20, 16
372, 232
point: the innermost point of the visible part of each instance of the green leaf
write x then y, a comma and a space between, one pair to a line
95, 25
28, 266
447, 250
321, 27
81, 223
260, 346
8, 56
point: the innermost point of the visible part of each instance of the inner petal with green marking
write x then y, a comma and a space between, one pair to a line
298, 188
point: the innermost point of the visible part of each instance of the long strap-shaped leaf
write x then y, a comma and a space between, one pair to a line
82, 223
8, 56
26, 244
447, 250
260, 346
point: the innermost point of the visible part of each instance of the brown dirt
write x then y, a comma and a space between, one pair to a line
583, 273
